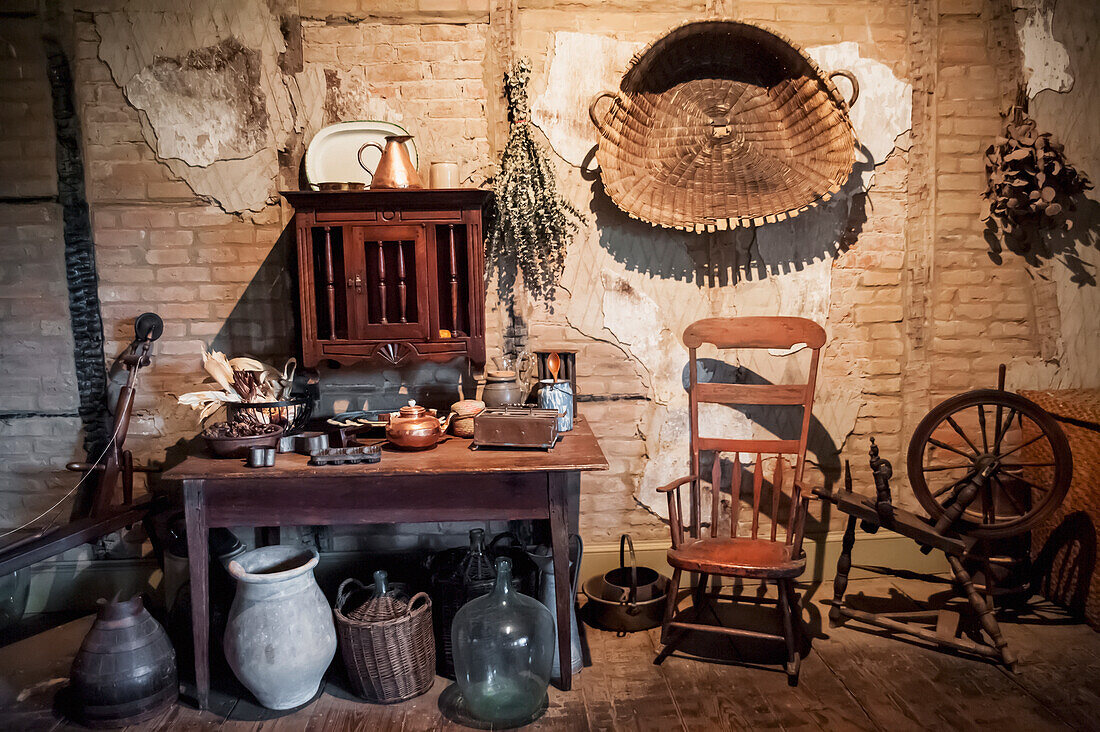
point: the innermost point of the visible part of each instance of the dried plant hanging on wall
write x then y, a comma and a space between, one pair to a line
531, 224
1031, 188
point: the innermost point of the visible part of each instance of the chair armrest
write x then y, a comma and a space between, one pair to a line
677, 483
808, 493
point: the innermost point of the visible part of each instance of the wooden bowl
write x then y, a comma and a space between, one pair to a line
237, 447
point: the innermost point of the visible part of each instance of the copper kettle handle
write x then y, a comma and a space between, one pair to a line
359, 155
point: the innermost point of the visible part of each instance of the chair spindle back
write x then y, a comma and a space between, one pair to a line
752, 333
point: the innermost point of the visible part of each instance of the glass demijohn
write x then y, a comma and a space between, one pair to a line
503, 648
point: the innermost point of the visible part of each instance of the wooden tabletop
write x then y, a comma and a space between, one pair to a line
576, 450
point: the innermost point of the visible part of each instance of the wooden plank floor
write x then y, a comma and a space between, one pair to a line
851, 679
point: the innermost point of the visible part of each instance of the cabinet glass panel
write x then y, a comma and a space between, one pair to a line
388, 289
331, 305
453, 279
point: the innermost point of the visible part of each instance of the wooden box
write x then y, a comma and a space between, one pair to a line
529, 427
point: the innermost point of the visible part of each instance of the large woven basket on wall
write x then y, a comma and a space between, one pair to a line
721, 124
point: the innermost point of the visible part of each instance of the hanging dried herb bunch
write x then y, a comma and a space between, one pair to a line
531, 224
1031, 187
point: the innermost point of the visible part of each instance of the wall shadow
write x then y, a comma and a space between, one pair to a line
263, 324
1063, 245
1065, 564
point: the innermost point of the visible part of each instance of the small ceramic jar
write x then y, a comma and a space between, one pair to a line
502, 390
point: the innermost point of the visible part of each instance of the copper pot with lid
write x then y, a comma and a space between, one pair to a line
414, 428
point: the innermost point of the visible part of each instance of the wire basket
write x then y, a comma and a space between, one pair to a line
722, 124
292, 413
387, 644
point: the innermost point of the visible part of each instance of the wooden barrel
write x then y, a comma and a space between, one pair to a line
125, 670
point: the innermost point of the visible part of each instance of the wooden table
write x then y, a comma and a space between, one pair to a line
451, 482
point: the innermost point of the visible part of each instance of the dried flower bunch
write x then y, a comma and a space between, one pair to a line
241, 380
1031, 186
531, 223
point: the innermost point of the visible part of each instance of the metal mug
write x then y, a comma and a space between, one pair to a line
261, 457
558, 395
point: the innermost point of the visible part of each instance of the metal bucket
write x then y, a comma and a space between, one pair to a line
626, 599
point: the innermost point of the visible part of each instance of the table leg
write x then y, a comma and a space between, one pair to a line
268, 536
559, 542
199, 560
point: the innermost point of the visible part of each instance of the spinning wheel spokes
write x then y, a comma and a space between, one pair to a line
1022, 469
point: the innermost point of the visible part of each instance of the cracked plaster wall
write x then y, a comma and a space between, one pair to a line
1058, 43
644, 316
181, 191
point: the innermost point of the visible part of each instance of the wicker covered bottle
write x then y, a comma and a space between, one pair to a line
386, 640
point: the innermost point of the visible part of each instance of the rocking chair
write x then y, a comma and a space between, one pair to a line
769, 554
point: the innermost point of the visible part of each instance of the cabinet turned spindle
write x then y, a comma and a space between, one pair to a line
330, 284
454, 278
382, 282
401, 278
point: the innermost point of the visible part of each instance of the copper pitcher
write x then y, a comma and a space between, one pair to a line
395, 169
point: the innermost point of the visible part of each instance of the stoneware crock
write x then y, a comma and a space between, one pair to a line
280, 637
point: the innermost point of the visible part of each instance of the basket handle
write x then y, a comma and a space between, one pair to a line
592, 109
851, 80
418, 596
342, 593
512, 539
632, 597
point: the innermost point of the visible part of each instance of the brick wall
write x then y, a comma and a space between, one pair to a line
917, 310
39, 429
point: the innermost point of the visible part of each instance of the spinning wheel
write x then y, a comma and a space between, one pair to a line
985, 465
994, 459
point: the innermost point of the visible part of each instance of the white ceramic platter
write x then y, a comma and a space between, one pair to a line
333, 156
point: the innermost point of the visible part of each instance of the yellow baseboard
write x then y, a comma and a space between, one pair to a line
884, 549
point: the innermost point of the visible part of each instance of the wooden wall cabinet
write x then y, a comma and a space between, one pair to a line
390, 275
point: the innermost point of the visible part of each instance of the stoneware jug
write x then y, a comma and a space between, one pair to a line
395, 169
503, 647
280, 638
502, 389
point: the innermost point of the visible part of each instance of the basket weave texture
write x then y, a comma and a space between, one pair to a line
387, 644
1082, 405
721, 124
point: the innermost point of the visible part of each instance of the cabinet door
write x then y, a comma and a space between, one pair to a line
387, 282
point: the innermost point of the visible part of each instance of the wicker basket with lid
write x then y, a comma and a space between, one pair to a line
721, 124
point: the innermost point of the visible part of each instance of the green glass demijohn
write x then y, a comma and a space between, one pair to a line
503, 649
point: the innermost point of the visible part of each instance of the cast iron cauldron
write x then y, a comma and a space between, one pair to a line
628, 598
